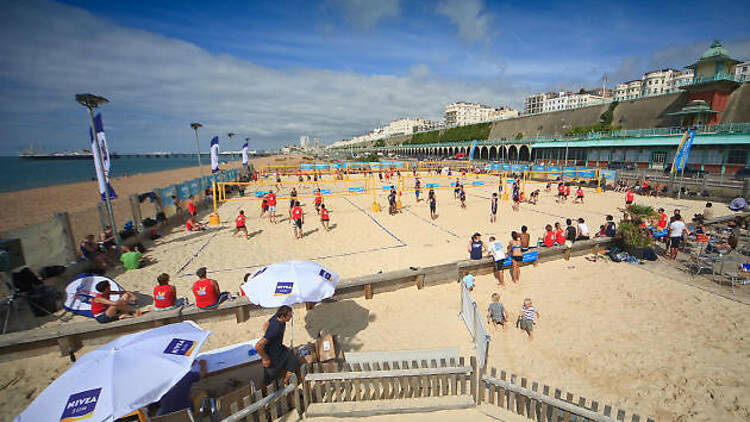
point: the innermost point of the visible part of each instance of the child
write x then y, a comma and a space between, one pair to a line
493, 208
579, 195
324, 218
240, 225
468, 281
527, 317
496, 312
629, 197
498, 254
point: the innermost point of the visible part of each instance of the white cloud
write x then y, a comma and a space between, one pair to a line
158, 85
364, 14
467, 15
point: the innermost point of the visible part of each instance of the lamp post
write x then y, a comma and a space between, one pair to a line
195, 126
229, 135
91, 102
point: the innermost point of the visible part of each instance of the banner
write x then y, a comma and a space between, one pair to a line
102, 167
244, 154
214, 154
682, 157
471, 151
677, 155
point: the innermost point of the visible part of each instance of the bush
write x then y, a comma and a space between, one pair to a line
630, 236
369, 158
379, 143
479, 131
640, 213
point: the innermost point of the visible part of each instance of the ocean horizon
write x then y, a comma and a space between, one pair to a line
20, 174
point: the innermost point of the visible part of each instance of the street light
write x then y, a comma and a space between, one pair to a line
229, 135
195, 126
91, 101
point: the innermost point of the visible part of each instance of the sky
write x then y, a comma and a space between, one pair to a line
274, 71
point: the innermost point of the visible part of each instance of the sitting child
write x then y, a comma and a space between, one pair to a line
496, 312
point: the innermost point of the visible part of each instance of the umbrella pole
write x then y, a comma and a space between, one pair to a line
291, 340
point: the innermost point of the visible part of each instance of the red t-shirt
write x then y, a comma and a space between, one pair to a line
205, 293
662, 220
549, 238
324, 214
560, 234
271, 199
96, 307
189, 226
561, 188
318, 199
191, 207
164, 296
240, 220
297, 213
567, 190
629, 196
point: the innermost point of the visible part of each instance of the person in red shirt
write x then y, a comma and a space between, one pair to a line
579, 195
208, 294
567, 192
192, 225
559, 234
191, 206
629, 197
318, 200
240, 225
662, 219
324, 217
271, 206
549, 237
560, 192
165, 295
106, 310
298, 219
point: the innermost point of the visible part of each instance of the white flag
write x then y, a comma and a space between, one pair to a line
103, 166
214, 154
244, 154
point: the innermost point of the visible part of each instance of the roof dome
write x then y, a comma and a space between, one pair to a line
716, 50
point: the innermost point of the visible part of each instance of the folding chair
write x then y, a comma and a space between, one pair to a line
741, 276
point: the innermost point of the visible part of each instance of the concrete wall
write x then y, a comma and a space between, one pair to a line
738, 105
46, 243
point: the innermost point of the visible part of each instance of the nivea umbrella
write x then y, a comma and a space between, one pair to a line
82, 289
290, 282
122, 376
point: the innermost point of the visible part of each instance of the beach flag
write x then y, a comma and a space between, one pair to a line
471, 151
102, 167
214, 154
683, 151
244, 154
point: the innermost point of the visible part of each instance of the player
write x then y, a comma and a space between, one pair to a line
318, 200
298, 218
271, 206
325, 219
579, 195
433, 203
240, 225
493, 208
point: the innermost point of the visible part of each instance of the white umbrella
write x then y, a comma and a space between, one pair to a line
290, 282
119, 377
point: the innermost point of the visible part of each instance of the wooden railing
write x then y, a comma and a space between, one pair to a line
276, 403
397, 380
541, 403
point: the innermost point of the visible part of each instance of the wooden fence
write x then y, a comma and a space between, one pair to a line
249, 404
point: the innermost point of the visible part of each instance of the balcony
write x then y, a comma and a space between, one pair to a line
718, 77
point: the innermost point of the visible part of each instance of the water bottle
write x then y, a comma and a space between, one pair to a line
252, 352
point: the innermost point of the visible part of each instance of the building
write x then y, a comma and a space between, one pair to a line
535, 103
742, 71
462, 113
428, 125
565, 100
304, 141
402, 126
655, 82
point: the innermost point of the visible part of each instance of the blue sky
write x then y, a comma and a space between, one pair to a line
274, 71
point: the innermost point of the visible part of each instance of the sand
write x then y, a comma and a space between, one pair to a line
80, 199
617, 333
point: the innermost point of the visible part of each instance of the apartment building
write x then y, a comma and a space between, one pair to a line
742, 71
535, 103
463, 113
565, 100
656, 82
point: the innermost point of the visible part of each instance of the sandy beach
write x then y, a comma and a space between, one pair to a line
616, 333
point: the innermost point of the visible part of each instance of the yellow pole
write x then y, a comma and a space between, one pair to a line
504, 175
399, 182
213, 184
598, 181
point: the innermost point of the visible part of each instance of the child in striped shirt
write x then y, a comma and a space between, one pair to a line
527, 316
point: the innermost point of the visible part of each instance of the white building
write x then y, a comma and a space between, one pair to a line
535, 103
656, 82
564, 100
403, 126
462, 113
742, 71
304, 141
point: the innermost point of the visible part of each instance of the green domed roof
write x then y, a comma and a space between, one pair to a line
716, 50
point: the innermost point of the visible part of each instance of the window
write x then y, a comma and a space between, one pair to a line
737, 156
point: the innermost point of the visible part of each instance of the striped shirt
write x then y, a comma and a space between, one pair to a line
529, 313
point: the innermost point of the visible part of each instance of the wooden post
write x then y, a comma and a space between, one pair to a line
566, 253
309, 305
69, 345
420, 281
473, 380
242, 314
368, 291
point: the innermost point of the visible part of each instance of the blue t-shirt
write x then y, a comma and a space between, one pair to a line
178, 397
275, 336
476, 249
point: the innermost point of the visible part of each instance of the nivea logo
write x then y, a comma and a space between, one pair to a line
325, 274
179, 346
283, 288
80, 405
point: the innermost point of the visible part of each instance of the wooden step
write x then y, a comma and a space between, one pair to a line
388, 407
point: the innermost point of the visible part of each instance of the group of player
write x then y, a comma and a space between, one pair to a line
563, 192
296, 215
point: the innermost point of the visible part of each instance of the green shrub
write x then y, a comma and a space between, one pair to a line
369, 158
630, 236
479, 131
640, 213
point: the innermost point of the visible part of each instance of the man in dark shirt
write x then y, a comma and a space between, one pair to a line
275, 356
570, 231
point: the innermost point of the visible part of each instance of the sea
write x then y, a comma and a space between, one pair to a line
19, 174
